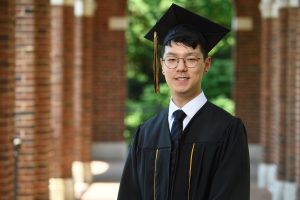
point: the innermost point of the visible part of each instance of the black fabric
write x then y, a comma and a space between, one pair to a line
208, 31
214, 141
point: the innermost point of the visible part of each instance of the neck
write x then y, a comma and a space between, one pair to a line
181, 101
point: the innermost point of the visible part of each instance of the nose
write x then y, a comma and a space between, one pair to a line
181, 65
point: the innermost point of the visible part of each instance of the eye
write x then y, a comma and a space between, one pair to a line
171, 60
191, 59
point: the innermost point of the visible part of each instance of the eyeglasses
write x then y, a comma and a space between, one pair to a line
172, 62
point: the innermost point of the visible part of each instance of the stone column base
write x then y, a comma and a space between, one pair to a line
61, 189
290, 191
280, 190
82, 177
267, 176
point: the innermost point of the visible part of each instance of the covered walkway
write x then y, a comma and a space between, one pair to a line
63, 93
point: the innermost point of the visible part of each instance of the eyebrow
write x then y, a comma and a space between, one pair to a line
187, 54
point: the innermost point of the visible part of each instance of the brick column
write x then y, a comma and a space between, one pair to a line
63, 120
56, 89
246, 87
87, 38
109, 78
6, 99
280, 95
290, 185
269, 118
68, 118
32, 112
267, 167
282, 103
43, 130
297, 105
83, 93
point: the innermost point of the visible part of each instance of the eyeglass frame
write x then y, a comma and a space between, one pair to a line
183, 59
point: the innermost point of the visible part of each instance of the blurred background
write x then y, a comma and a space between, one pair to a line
76, 80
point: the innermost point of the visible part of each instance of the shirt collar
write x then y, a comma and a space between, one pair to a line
190, 109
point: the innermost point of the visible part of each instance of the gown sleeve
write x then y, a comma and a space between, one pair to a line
129, 188
232, 178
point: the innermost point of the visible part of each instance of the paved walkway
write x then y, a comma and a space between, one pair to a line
106, 176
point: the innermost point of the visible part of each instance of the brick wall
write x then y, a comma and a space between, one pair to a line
281, 52
32, 94
275, 78
281, 94
63, 86
297, 103
265, 97
87, 96
43, 130
68, 115
109, 77
78, 53
293, 19
247, 65
56, 89
6, 99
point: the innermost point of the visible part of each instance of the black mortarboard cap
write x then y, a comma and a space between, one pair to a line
209, 32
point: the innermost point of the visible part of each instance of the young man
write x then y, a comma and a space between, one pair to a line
193, 150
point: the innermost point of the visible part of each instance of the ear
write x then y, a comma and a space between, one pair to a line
207, 64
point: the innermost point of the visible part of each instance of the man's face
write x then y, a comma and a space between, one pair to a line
184, 82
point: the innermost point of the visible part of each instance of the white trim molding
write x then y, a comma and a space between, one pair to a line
62, 2
290, 191
277, 193
265, 7
266, 176
89, 7
78, 8
243, 24
294, 3
117, 23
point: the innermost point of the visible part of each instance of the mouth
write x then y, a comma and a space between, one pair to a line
183, 78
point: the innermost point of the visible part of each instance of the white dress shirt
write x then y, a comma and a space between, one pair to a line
190, 109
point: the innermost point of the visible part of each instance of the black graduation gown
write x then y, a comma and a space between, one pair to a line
212, 162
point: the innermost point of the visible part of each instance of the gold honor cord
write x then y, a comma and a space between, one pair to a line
155, 63
190, 171
156, 156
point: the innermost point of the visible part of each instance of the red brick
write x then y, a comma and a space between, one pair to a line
109, 99
246, 86
265, 92
6, 98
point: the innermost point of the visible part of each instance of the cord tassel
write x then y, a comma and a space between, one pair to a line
155, 166
190, 170
155, 63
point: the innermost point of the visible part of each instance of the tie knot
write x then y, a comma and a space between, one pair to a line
179, 115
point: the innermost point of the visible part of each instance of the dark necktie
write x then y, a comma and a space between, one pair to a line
177, 126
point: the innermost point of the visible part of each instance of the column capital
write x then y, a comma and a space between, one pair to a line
89, 7
78, 8
270, 8
266, 8
62, 2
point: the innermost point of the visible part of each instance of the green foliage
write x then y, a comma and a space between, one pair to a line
150, 104
218, 80
225, 103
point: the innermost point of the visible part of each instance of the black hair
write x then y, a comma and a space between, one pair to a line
187, 35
